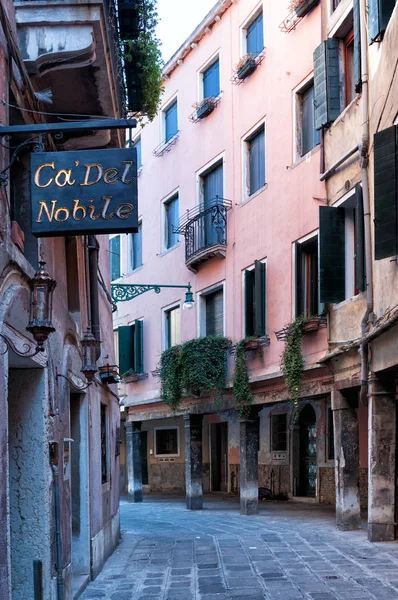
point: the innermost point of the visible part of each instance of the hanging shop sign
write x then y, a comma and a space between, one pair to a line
89, 191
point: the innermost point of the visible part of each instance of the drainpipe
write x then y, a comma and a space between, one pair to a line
364, 348
93, 251
60, 576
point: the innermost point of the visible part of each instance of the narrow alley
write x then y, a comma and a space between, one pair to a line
286, 552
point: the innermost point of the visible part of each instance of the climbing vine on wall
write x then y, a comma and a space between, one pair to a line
196, 367
242, 390
292, 362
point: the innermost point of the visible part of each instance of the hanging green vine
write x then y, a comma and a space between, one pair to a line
146, 54
292, 363
242, 390
195, 367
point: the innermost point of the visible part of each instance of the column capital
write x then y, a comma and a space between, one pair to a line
191, 420
132, 426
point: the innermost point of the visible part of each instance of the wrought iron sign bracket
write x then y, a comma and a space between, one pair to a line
121, 292
29, 353
75, 382
37, 131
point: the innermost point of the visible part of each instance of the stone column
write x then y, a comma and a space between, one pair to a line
249, 433
346, 448
382, 441
133, 457
193, 461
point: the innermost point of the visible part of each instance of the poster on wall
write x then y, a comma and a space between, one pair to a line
83, 192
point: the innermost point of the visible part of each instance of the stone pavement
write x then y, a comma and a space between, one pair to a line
287, 552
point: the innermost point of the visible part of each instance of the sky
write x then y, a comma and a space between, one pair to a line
178, 19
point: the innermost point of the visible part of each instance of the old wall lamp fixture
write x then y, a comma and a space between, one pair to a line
40, 313
123, 292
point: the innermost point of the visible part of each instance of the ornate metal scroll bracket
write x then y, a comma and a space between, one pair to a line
28, 353
75, 381
36, 142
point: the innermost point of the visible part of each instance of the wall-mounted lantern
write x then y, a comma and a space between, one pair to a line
89, 347
41, 305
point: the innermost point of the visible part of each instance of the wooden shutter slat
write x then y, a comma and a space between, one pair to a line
259, 298
126, 348
386, 192
211, 80
215, 313
360, 279
326, 83
114, 244
357, 46
299, 279
139, 347
379, 13
332, 254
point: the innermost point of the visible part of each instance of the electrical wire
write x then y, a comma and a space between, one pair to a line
53, 114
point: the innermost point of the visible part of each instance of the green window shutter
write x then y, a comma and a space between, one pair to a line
326, 83
259, 298
126, 348
139, 347
386, 192
380, 12
114, 257
357, 46
360, 277
299, 280
332, 254
215, 313
249, 303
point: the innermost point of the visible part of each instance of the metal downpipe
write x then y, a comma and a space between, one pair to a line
58, 545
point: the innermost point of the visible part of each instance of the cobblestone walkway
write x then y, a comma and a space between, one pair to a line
287, 552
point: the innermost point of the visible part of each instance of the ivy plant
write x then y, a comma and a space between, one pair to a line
145, 52
195, 367
292, 363
242, 390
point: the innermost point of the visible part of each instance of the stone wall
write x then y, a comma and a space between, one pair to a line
327, 485
275, 477
363, 488
167, 477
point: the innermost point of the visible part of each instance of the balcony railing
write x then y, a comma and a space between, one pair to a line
205, 230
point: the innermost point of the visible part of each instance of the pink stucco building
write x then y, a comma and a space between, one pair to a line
239, 174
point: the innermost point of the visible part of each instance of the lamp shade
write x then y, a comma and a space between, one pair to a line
89, 347
41, 301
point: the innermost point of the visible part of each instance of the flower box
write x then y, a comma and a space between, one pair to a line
248, 66
109, 374
205, 108
304, 7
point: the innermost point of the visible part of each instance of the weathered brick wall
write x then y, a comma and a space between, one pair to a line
168, 477
363, 487
327, 485
275, 477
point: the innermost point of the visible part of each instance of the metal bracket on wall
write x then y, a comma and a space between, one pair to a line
57, 130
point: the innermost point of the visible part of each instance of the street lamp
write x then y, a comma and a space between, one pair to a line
122, 292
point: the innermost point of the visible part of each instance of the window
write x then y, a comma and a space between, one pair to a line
255, 36
306, 258
330, 434
172, 327
171, 208
104, 444
255, 300
136, 248
255, 161
211, 80
167, 441
279, 433
114, 257
386, 192
171, 121
131, 348
380, 12
341, 243
307, 136
137, 146
349, 68
212, 185
213, 313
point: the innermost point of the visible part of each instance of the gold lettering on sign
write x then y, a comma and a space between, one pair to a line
107, 200
58, 212
44, 207
128, 164
77, 209
110, 175
91, 210
67, 178
88, 171
37, 175
124, 211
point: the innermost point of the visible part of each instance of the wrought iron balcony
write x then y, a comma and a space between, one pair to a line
205, 230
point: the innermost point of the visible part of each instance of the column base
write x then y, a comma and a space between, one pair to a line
249, 508
194, 503
381, 532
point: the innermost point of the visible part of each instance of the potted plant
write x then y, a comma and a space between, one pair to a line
245, 66
302, 7
109, 373
130, 376
204, 108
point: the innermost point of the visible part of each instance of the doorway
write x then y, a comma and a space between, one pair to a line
79, 491
219, 457
307, 453
144, 457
